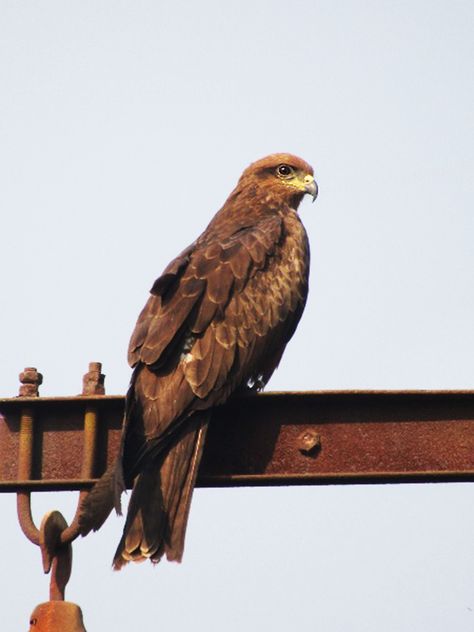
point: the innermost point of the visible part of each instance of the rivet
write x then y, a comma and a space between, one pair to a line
309, 441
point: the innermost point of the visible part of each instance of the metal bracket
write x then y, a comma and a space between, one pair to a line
54, 537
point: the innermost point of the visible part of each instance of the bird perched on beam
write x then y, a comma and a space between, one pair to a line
216, 323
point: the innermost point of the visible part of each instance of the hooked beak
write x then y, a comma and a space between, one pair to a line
310, 186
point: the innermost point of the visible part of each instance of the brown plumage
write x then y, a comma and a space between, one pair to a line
217, 322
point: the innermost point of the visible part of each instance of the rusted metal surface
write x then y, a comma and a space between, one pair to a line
353, 437
30, 381
274, 439
92, 384
54, 536
270, 439
60, 446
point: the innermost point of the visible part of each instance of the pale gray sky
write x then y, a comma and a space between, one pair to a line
123, 127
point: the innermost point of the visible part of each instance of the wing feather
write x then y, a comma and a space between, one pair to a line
255, 249
219, 285
205, 314
139, 334
164, 326
198, 364
172, 272
215, 369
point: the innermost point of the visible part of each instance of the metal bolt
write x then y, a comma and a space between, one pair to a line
30, 381
93, 380
309, 442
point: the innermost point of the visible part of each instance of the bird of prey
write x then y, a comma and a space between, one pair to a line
216, 323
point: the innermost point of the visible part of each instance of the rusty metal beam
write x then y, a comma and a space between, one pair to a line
270, 439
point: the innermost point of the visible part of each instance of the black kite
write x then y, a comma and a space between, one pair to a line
217, 321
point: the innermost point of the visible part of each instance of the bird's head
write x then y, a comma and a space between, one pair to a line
282, 178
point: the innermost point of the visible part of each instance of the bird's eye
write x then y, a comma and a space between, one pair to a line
284, 171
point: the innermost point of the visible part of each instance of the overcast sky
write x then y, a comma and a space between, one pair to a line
123, 127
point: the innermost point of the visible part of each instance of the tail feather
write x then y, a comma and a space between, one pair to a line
145, 522
179, 510
159, 506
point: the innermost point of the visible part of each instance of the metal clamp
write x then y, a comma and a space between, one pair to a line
54, 537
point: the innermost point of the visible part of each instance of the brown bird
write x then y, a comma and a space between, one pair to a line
216, 323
